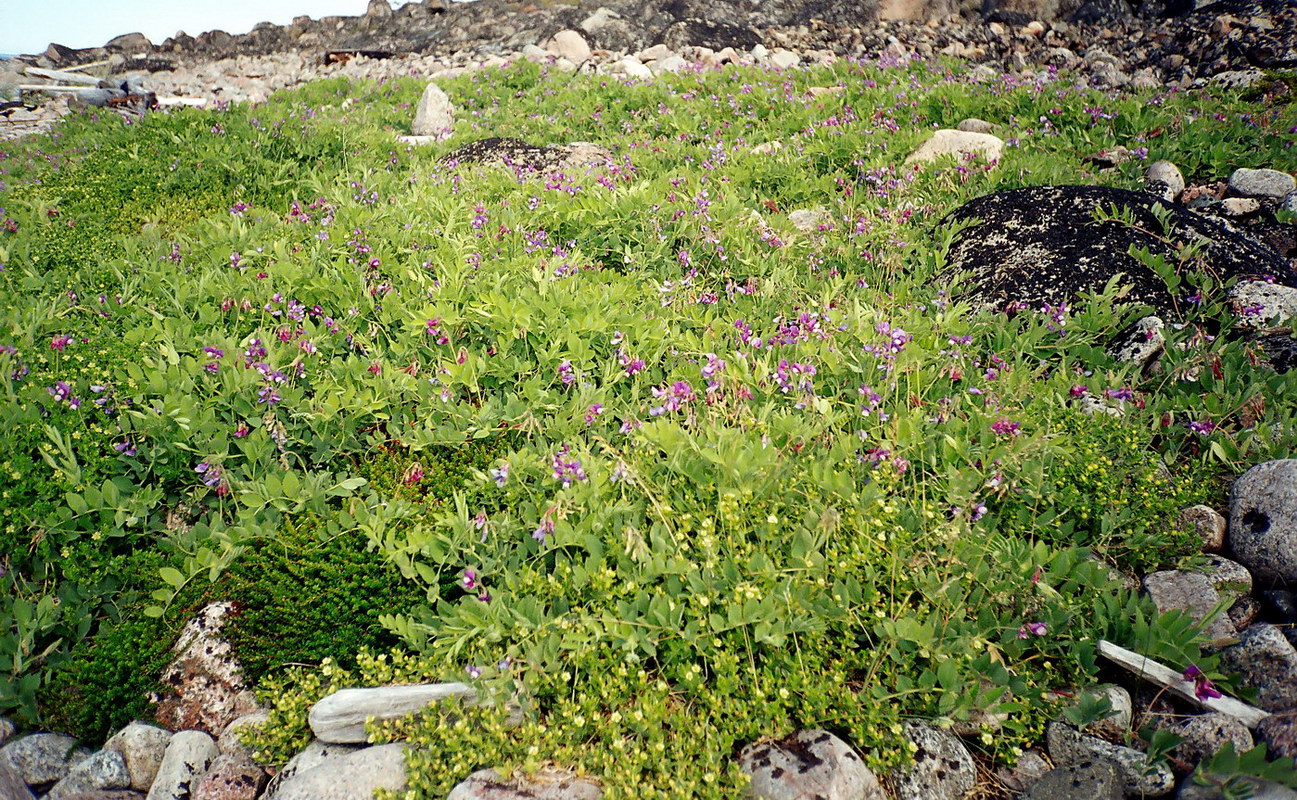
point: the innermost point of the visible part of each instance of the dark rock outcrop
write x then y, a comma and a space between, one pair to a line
1044, 245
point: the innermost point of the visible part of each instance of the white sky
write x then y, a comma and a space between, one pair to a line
27, 26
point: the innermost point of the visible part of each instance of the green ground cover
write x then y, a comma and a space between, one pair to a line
684, 475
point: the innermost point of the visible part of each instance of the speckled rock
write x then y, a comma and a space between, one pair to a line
435, 116
108, 794
42, 758
523, 158
143, 747
1261, 182
809, 220
1191, 592
1245, 611
1258, 304
1042, 245
571, 45
1088, 778
1231, 579
1144, 344
1263, 520
1137, 776
1030, 767
231, 778
1207, 523
1205, 734
1279, 732
949, 142
975, 125
7, 730
189, 754
942, 769
1163, 178
1266, 661
103, 770
12, 787
354, 776
206, 689
487, 784
811, 763
1117, 723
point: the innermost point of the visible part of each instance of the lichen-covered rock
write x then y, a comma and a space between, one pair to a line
206, 690
523, 158
1263, 520
1143, 345
1259, 304
229, 743
142, 746
487, 784
1089, 778
1137, 775
1265, 660
1261, 182
811, 763
40, 759
1279, 732
103, 770
1043, 245
1163, 178
942, 768
316, 753
1231, 579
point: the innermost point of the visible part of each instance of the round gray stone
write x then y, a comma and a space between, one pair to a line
354, 776
1207, 523
1266, 661
1089, 778
1205, 734
103, 770
1164, 178
487, 784
1263, 520
142, 746
42, 758
811, 763
1137, 775
188, 755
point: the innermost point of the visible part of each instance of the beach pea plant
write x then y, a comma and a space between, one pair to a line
636, 448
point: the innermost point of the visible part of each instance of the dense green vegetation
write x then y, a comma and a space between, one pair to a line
627, 443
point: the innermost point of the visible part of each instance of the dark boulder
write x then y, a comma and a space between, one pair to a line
1043, 245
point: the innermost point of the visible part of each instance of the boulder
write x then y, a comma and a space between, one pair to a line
1030, 767
571, 45
1137, 775
435, 115
206, 689
1279, 732
941, 769
1264, 660
1089, 778
1043, 245
1231, 579
378, 9
487, 784
523, 157
1261, 183
315, 754
975, 125
42, 758
229, 743
103, 770
1117, 724
1263, 521
1192, 593
1143, 345
632, 67
812, 763
7, 730
949, 142
189, 754
142, 746
129, 43
354, 776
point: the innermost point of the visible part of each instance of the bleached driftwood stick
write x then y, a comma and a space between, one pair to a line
1175, 683
65, 77
79, 67
39, 87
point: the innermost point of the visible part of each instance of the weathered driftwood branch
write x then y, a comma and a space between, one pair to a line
79, 67
41, 87
65, 77
1175, 683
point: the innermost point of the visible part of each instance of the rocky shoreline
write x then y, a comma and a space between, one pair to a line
1227, 41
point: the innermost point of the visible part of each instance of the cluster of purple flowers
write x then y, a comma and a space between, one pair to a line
796, 376
433, 328
567, 469
213, 476
62, 393
674, 397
